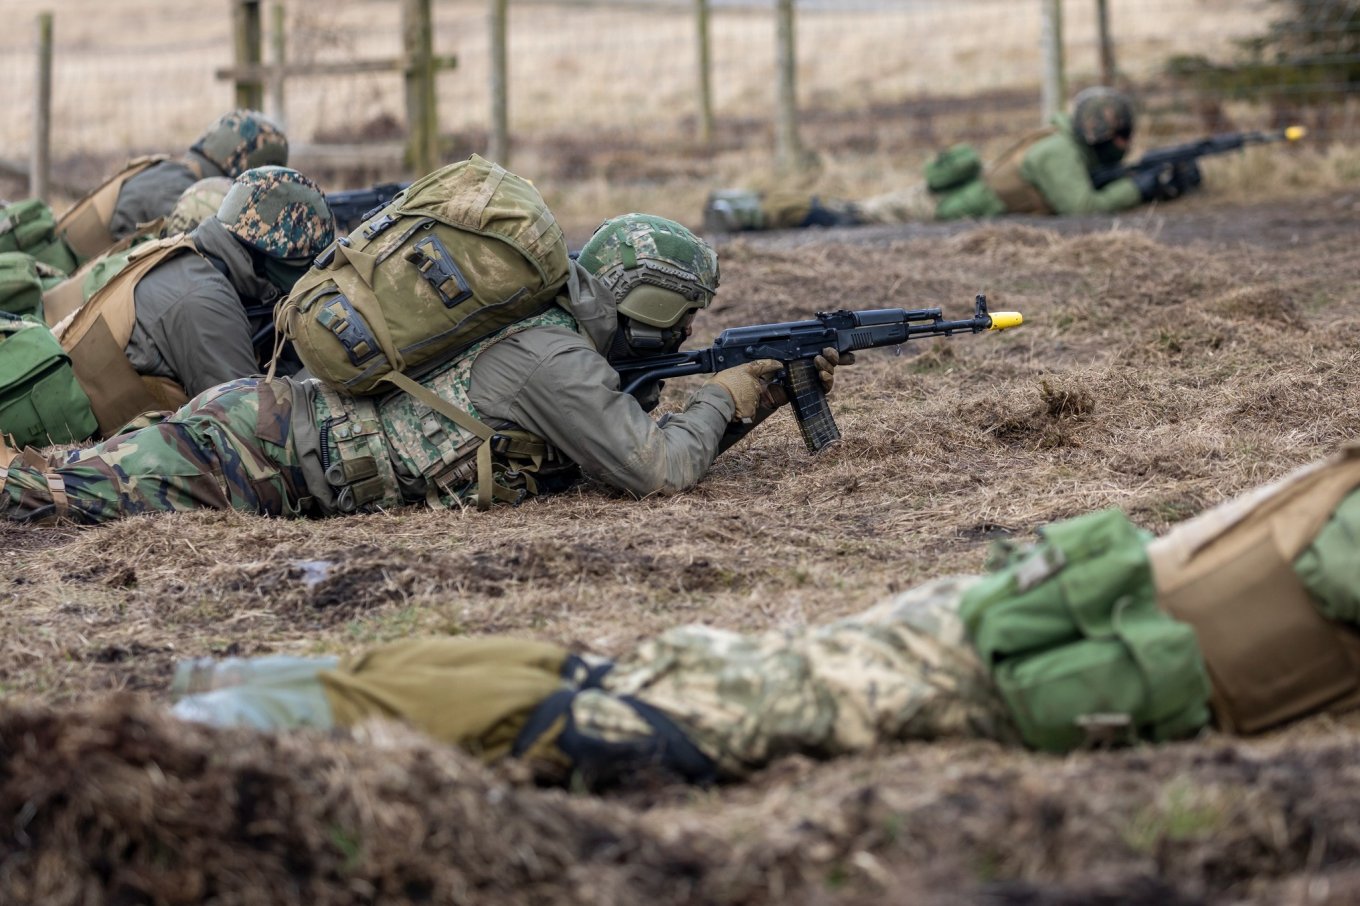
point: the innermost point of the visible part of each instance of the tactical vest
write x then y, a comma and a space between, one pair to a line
97, 335
460, 459
1017, 193
1271, 655
85, 227
67, 296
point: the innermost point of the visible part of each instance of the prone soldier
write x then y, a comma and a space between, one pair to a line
1097, 634
1048, 171
524, 409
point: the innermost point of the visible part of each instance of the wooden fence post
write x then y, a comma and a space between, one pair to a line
1054, 88
278, 47
498, 142
705, 64
40, 166
421, 116
788, 148
248, 44
1107, 68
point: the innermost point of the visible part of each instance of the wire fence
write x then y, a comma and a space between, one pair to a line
622, 77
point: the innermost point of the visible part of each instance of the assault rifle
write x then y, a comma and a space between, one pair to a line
797, 343
352, 206
1193, 151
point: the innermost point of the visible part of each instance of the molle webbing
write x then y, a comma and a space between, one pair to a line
1229, 573
1017, 193
437, 433
355, 454
85, 227
97, 336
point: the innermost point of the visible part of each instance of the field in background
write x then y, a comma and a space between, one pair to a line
602, 107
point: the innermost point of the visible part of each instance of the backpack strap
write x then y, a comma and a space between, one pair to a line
85, 227
488, 490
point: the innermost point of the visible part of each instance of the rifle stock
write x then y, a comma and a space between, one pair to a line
797, 344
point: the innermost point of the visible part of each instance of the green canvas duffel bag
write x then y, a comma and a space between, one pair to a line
1072, 633
28, 226
952, 168
23, 280
974, 199
40, 401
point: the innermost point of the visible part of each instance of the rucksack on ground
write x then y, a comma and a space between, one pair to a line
1077, 644
28, 226
23, 280
460, 254
40, 401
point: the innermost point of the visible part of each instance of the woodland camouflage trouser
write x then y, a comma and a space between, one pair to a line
229, 447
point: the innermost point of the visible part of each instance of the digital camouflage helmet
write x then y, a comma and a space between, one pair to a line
279, 213
658, 271
196, 204
241, 140
1101, 115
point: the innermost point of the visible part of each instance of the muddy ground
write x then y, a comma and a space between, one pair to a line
1170, 360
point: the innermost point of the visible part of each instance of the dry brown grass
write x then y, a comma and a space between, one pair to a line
1157, 376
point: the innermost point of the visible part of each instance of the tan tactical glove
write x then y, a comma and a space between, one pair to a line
746, 383
774, 395
827, 363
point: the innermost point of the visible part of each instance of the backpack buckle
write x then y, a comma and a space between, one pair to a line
500, 443
378, 226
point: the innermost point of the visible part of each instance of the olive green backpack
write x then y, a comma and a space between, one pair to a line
1076, 643
954, 177
28, 226
455, 257
23, 280
40, 401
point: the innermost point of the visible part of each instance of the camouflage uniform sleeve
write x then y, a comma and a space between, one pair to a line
552, 382
1056, 168
148, 195
190, 327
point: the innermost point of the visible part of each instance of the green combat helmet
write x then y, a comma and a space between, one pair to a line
196, 204
732, 211
279, 213
1101, 115
241, 140
659, 273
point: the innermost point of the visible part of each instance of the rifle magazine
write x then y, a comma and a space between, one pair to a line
808, 399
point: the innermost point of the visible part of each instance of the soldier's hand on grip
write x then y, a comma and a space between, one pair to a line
746, 384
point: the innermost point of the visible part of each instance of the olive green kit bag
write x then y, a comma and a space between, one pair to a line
23, 280
40, 401
954, 177
28, 226
1078, 648
457, 256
